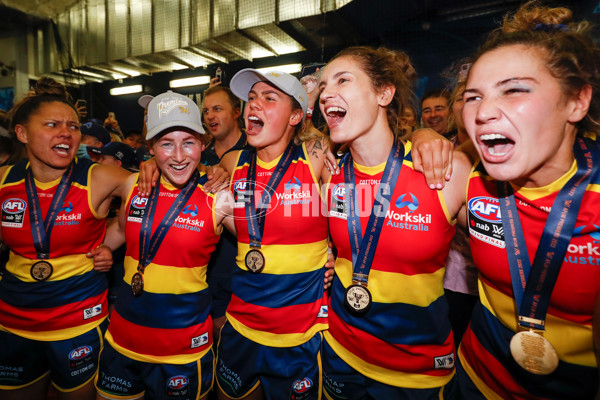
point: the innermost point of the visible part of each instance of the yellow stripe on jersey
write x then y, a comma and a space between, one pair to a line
573, 342
419, 290
63, 267
59, 334
387, 376
539, 192
167, 279
594, 188
283, 259
275, 339
483, 388
174, 359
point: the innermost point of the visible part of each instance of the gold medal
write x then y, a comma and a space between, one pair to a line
533, 352
137, 284
255, 261
358, 299
41, 270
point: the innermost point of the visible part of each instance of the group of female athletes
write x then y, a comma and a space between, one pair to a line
531, 106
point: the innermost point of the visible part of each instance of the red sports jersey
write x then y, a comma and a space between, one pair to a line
405, 339
73, 299
170, 322
485, 351
285, 304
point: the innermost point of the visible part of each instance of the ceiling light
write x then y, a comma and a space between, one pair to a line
126, 90
289, 68
193, 81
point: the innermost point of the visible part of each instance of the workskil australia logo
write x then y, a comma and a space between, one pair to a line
405, 216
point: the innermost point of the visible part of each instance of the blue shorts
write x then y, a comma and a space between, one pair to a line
71, 363
120, 377
283, 372
341, 381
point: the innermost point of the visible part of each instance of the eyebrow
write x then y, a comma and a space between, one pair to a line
266, 91
336, 75
504, 82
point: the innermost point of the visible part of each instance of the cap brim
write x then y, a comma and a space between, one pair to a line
242, 82
168, 125
94, 151
144, 100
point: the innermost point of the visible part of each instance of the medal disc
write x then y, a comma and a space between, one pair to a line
358, 299
533, 352
137, 284
41, 270
255, 261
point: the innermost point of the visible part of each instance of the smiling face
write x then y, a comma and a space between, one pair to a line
177, 155
349, 102
269, 116
518, 116
220, 116
435, 114
51, 135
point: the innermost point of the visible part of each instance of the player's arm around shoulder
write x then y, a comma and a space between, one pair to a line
108, 181
454, 191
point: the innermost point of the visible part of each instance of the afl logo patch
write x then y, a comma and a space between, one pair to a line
80, 352
302, 385
14, 206
13, 212
139, 202
486, 208
178, 382
339, 192
240, 186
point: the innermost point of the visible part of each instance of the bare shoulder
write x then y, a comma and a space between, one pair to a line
454, 191
317, 147
110, 180
228, 161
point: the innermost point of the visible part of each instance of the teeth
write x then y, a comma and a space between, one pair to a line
62, 146
335, 110
253, 118
178, 167
492, 136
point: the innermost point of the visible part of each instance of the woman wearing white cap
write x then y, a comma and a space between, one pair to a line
278, 307
159, 340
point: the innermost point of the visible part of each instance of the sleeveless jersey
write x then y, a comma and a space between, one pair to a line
170, 322
73, 299
285, 304
484, 350
405, 338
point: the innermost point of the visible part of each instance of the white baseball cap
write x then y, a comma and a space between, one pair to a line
169, 110
242, 82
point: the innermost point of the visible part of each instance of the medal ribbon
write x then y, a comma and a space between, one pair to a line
149, 245
41, 236
363, 249
533, 284
256, 220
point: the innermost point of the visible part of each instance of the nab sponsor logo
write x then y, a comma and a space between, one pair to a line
240, 186
486, 208
80, 352
412, 203
139, 202
178, 382
302, 385
13, 206
339, 192
293, 184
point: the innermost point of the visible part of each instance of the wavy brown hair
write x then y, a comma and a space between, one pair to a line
386, 67
568, 48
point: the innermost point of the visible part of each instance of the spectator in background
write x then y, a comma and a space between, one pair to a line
94, 135
408, 122
134, 139
435, 110
221, 111
11, 150
115, 153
